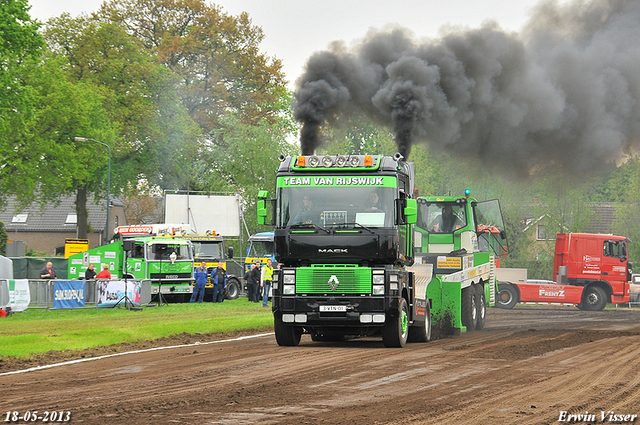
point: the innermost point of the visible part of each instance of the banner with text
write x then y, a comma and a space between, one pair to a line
112, 291
69, 293
19, 294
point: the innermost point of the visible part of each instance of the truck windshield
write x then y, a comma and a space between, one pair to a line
441, 217
209, 250
162, 251
261, 249
336, 206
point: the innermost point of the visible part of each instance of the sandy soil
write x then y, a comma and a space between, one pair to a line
528, 366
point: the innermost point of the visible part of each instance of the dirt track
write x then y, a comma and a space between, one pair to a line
526, 367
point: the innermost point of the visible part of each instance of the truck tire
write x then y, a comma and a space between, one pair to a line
421, 333
396, 329
481, 306
507, 296
469, 310
594, 299
232, 291
286, 335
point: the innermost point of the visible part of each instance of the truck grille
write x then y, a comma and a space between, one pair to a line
333, 279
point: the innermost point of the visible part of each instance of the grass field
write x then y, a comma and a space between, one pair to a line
37, 331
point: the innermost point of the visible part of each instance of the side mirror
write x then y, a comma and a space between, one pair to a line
411, 211
262, 206
230, 252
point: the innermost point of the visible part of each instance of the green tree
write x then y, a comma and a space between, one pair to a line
215, 55
3, 239
100, 83
244, 158
20, 49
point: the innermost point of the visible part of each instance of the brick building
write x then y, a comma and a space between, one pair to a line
45, 229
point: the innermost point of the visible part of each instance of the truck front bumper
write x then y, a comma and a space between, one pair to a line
334, 311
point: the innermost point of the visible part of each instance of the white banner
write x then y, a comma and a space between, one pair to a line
112, 291
19, 294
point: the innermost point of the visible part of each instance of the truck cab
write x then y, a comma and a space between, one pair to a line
260, 247
343, 238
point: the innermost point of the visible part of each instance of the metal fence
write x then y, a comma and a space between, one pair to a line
41, 293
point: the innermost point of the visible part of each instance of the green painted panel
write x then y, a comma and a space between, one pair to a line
336, 279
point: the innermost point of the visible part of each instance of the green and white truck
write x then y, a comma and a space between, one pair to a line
166, 261
344, 237
460, 238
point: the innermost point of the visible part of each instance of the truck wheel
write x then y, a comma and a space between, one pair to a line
594, 299
286, 335
481, 307
232, 291
469, 309
396, 329
507, 296
421, 333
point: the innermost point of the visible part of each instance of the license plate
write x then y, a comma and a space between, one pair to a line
333, 308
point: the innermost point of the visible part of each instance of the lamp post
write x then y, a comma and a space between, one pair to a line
84, 139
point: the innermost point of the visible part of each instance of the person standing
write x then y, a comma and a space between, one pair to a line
105, 273
255, 278
90, 273
200, 274
267, 279
248, 280
219, 280
48, 272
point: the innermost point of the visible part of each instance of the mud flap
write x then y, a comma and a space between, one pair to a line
446, 310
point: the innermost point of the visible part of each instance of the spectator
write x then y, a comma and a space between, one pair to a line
90, 273
200, 274
48, 272
219, 280
267, 279
105, 273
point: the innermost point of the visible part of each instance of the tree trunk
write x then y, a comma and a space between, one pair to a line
81, 212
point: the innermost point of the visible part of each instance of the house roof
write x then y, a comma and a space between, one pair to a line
58, 217
602, 220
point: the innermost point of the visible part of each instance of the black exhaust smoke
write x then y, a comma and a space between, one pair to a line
566, 90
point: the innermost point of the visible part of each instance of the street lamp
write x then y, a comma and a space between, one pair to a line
84, 139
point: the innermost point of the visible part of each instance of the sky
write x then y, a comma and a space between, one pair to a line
295, 29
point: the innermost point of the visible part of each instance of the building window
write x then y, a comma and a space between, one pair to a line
117, 221
71, 219
20, 218
542, 233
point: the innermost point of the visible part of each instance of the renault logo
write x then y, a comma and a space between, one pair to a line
333, 282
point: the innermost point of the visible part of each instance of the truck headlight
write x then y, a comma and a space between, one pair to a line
378, 289
378, 279
289, 289
289, 278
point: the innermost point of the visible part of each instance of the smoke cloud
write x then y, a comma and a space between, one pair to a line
565, 90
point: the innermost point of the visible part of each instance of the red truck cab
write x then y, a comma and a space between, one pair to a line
582, 259
589, 270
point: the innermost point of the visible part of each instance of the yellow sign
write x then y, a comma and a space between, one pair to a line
449, 263
75, 246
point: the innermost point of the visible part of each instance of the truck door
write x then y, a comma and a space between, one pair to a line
136, 265
614, 261
490, 227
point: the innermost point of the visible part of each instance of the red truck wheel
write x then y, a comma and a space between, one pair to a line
507, 296
594, 299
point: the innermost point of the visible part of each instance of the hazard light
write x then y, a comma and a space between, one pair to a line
336, 161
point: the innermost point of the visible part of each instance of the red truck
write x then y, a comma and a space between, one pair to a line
589, 271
